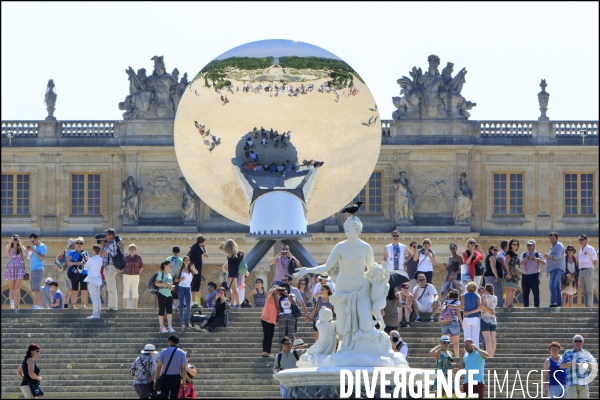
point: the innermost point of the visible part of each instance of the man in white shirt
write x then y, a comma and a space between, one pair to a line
588, 259
395, 253
324, 279
94, 280
425, 298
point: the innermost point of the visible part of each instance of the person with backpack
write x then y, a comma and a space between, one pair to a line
176, 263
286, 359
76, 260
108, 254
164, 282
184, 280
143, 370
450, 319
531, 261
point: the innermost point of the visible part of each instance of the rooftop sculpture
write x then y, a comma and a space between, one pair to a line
432, 95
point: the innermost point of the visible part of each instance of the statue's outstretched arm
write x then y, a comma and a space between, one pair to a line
331, 260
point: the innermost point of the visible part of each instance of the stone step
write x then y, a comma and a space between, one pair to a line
59, 392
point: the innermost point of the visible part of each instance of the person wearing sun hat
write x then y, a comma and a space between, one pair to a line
579, 363
569, 282
46, 296
443, 356
143, 369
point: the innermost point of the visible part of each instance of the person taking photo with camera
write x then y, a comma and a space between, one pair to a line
77, 259
15, 270
282, 262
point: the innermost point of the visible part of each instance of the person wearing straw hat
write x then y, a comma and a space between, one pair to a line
143, 369
298, 344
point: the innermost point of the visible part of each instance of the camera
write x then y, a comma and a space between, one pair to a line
284, 251
102, 236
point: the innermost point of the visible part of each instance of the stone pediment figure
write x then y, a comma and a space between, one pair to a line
189, 203
152, 97
432, 95
50, 99
359, 343
131, 194
463, 201
404, 202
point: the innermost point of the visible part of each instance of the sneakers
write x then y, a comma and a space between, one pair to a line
431, 319
182, 326
418, 319
171, 330
194, 305
93, 317
163, 330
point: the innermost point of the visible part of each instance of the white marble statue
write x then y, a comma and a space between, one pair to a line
325, 344
379, 278
360, 344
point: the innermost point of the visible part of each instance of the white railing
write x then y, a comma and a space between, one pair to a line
506, 128
385, 127
87, 128
20, 128
575, 128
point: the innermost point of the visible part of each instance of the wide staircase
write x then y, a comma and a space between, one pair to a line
91, 359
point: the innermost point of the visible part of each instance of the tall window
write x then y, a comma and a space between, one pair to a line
85, 194
372, 194
579, 194
15, 194
508, 194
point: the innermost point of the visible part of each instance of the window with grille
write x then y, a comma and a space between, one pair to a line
16, 194
85, 194
372, 194
508, 193
579, 194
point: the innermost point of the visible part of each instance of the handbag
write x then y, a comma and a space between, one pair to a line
161, 379
36, 390
292, 266
26, 276
296, 311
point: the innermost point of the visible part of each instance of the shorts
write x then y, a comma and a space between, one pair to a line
83, 285
233, 272
485, 326
35, 279
75, 283
452, 329
423, 307
388, 329
195, 285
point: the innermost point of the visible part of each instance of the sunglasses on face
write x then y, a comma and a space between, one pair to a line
287, 344
414, 247
37, 351
395, 235
515, 244
581, 240
494, 249
78, 242
577, 341
302, 283
471, 242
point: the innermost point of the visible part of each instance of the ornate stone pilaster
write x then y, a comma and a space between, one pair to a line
262, 271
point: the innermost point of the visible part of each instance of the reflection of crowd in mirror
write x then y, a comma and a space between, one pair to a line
281, 168
212, 141
312, 163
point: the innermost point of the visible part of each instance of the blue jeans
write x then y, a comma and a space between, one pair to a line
184, 293
284, 391
554, 285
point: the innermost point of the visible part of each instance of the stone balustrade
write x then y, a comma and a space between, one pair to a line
88, 128
20, 128
506, 128
574, 128
385, 127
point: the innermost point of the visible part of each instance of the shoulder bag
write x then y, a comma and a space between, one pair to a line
292, 266
36, 390
161, 379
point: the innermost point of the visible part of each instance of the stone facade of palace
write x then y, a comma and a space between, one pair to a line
439, 175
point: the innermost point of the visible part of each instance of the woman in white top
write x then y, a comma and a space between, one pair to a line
184, 277
426, 261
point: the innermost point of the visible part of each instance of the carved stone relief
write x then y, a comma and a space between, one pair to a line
161, 193
433, 189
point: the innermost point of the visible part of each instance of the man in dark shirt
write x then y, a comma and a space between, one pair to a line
197, 251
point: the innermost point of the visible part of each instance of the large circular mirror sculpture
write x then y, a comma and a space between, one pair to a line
277, 134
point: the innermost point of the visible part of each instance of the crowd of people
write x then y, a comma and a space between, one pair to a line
468, 299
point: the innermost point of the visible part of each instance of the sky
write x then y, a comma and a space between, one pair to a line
507, 49
276, 48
